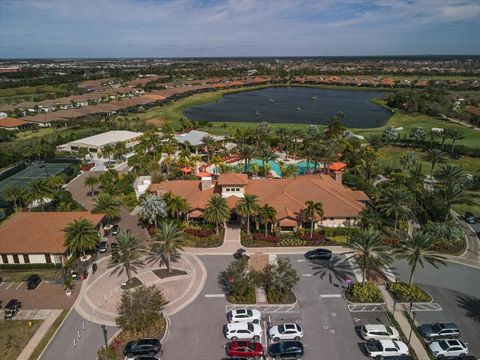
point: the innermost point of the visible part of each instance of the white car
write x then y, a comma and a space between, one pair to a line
451, 347
244, 316
379, 349
285, 332
242, 331
379, 332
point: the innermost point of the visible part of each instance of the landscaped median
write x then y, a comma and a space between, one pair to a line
403, 293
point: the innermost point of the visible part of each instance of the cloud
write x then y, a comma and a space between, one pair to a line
233, 27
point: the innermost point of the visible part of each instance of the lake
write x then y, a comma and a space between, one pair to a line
300, 105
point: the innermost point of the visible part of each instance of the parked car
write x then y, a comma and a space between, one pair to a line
244, 315
33, 281
286, 349
379, 332
115, 229
379, 349
466, 357
102, 246
319, 254
450, 347
242, 331
245, 349
148, 347
437, 331
469, 218
241, 254
285, 332
12, 308
144, 357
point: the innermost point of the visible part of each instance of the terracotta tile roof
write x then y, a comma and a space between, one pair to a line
8, 122
45, 118
232, 179
287, 196
7, 108
337, 166
474, 110
39, 232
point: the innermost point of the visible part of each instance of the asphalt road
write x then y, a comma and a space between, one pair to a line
330, 329
91, 339
456, 288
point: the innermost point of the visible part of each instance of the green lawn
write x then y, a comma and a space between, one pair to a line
474, 208
14, 335
37, 133
22, 275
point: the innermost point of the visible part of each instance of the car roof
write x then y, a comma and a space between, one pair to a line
454, 342
387, 342
448, 325
12, 302
373, 327
148, 341
287, 344
237, 326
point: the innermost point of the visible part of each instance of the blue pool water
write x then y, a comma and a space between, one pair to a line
275, 166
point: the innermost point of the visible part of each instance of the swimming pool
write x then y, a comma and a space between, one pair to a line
275, 166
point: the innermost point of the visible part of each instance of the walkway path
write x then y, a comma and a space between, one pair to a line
415, 342
39, 334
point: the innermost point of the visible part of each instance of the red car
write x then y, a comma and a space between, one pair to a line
245, 349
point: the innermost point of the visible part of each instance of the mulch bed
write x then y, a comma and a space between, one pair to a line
133, 282
163, 273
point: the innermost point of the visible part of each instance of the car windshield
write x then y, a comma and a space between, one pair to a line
281, 329
389, 330
250, 327
437, 327
249, 312
443, 345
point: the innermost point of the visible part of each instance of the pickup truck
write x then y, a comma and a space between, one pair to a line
379, 349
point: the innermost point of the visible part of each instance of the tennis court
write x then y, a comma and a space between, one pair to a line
32, 172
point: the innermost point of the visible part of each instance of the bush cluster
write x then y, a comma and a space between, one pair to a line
263, 237
316, 236
249, 298
369, 293
201, 233
339, 231
402, 292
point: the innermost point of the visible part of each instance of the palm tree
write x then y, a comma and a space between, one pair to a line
408, 160
266, 154
247, 153
389, 134
107, 150
434, 156
418, 249
209, 143
15, 195
217, 161
449, 173
369, 251
296, 134
455, 135
80, 236
119, 149
217, 211
108, 205
452, 193
153, 207
91, 181
128, 250
248, 207
267, 214
38, 191
169, 240
310, 211
397, 202
282, 134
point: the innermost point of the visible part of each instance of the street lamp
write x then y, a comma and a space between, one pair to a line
104, 329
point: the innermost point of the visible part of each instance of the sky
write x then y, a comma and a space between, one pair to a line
219, 28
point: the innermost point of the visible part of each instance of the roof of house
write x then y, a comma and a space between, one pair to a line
474, 110
105, 138
45, 118
7, 107
194, 137
39, 232
232, 179
287, 196
8, 122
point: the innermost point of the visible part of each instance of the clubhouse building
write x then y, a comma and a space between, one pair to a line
341, 205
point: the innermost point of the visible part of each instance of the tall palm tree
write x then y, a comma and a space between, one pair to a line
452, 193
217, 211
266, 154
107, 150
455, 135
247, 153
217, 161
38, 191
311, 210
296, 135
128, 250
267, 214
418, 249
169, 240
15, 195
209, 143
153, 207
369, 251
80, 237
108, 205
282, 135
450, 173
91, 181
248, 207
434, 156
397, 202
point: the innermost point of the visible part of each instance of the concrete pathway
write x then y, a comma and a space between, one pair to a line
415, 342
39, 334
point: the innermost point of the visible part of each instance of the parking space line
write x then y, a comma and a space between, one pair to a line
9, 285
330, 295
306, 275
214, 295
18, 286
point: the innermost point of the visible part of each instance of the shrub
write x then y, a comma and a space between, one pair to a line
29, 266
402, 292
249, 298
369, 293
339, 231
263, 237
202, 233
316, 236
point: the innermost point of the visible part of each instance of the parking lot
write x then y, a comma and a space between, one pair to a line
329, 327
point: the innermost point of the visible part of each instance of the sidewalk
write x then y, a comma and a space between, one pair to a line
415, 342
39, 334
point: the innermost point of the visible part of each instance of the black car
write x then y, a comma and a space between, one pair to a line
115, 229
286, 349
470, 218
146, 357
319, 254
12, 308
33, 281
148, 347
102, 246
241, 254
